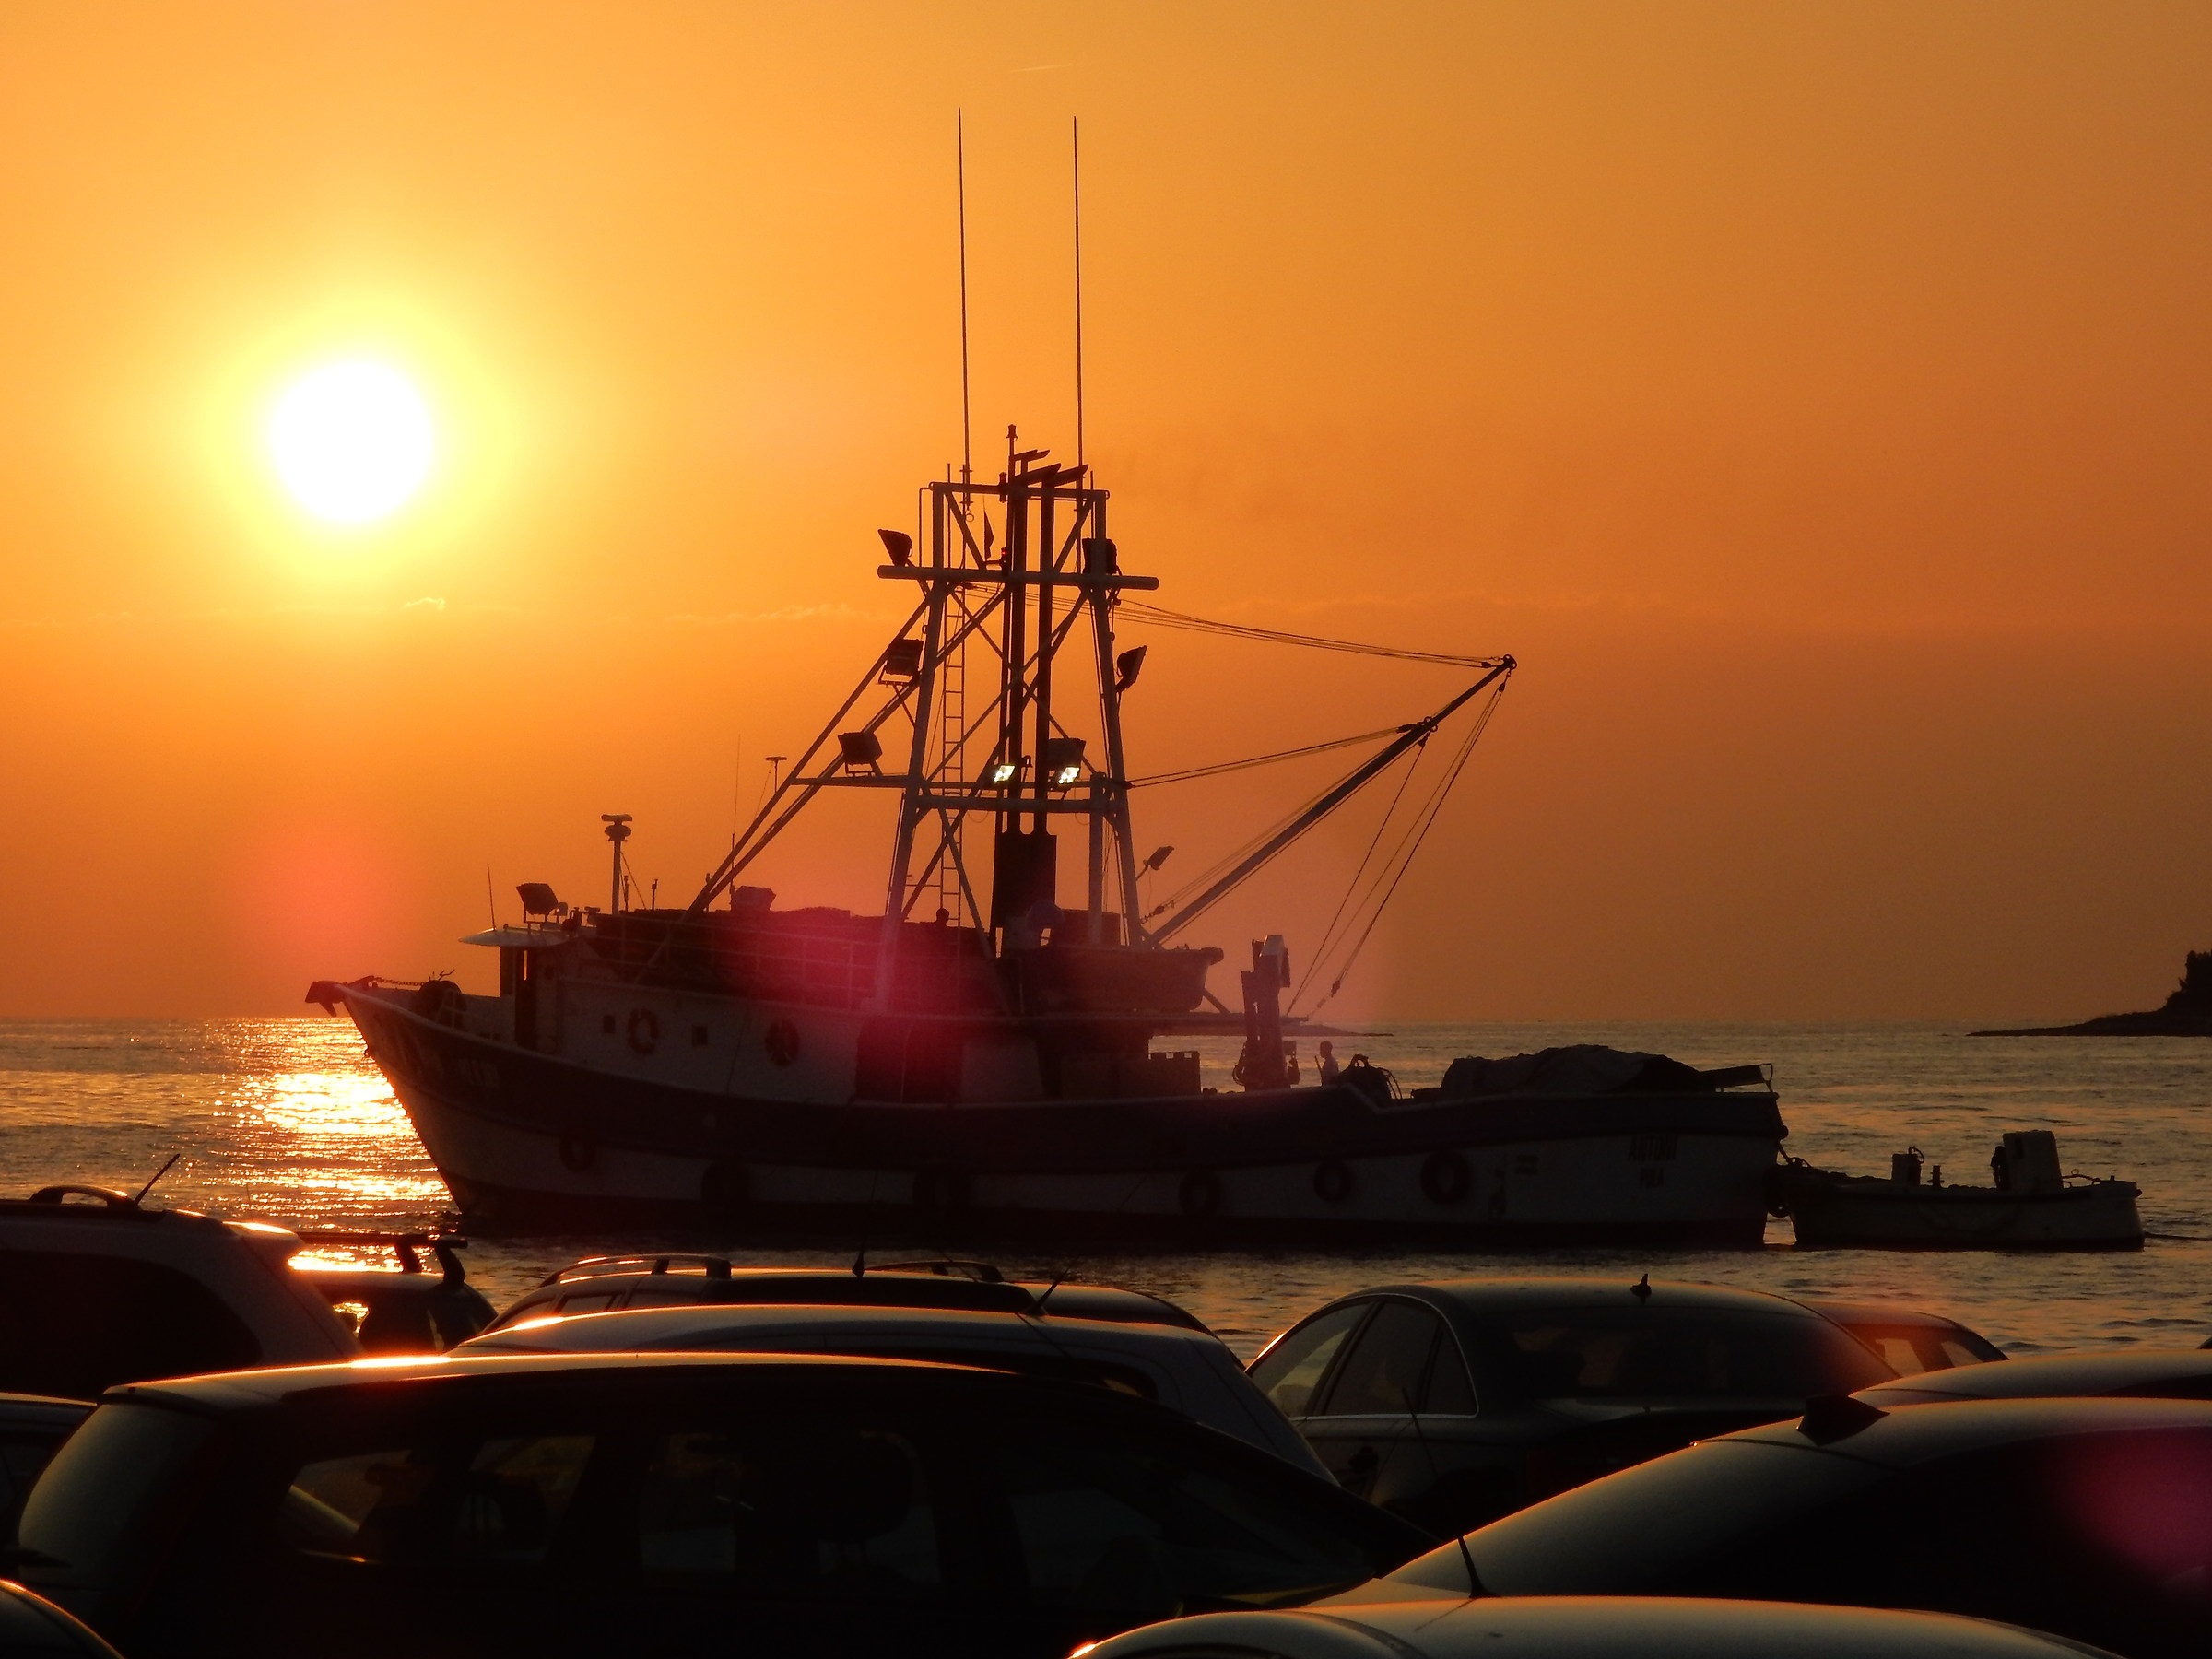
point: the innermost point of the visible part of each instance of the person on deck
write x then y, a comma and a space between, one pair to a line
1326, 1065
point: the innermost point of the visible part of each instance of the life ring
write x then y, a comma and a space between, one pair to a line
1200, 1193
643, 1030
1333, 1181
578, 1152
942, 1189
1445, 1179
782, 1042
726, 1186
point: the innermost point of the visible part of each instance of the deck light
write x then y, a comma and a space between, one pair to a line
1064, 761
1000, 773
860, 751
902, 662
900, 546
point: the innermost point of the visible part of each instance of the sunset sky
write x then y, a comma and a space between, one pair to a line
1816, 398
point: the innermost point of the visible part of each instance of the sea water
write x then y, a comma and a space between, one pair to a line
287, 1119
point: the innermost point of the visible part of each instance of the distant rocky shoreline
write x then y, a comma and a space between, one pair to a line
2186, 1012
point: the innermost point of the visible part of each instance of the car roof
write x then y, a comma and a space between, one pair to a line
1562, 1626
236, 1391
2055, 1374
1510, 1295
1909, 1435
1887, 1313
714, 1280
662, 1327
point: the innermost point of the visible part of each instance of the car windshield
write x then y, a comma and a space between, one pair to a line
1635, 1532
1680, 1354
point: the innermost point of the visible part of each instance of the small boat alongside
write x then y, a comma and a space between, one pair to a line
2032, 1206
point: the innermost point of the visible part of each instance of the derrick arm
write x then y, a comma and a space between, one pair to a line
1419, 732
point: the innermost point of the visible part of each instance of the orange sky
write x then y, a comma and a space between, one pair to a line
1814, 397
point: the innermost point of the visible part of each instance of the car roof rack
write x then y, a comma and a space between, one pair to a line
715, 1266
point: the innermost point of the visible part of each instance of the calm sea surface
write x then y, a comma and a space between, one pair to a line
284, 1119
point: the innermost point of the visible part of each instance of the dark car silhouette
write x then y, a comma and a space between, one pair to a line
545, 1506
2089, 1518
1454, 1402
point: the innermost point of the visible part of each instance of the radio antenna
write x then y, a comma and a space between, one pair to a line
959, 168
1075, 144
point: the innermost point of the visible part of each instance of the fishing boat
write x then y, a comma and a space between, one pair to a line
995, 1049
2030, 1205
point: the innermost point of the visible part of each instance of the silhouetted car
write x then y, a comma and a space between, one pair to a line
33, 1628
1908, 1339
1585, 1627
2089, 1518
1185, 1370
32, 1428
542, 1506
605, 1284
2146, 1373
98, 1288
1454, 1402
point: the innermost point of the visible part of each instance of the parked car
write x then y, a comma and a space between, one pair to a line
1454, 1402
1185, 1371
33, 1628
2148, 1373
605, 1284
1908, 1339
542, 1506
32, 1428
2089, 1518
98, 1288
1585, 1627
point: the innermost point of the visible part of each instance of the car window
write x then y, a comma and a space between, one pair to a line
1289, 1372
470, 1505
1451, 1393
595, 1301
824, 1511
1105, 1522
1900, 1354
1960, 1351
75, 1325
1389, 1361
1689, 1353
668, 1296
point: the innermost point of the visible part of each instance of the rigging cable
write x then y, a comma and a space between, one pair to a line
1229, 766
1399, 862
1137, 611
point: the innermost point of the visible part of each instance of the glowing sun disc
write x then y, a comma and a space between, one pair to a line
352, 441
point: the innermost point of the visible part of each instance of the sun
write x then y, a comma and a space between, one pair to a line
352, 441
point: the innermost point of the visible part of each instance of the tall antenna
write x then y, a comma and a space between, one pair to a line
960, 168
1074, 141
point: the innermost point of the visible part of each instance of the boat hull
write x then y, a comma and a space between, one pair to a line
533, 1143
1873, 1214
